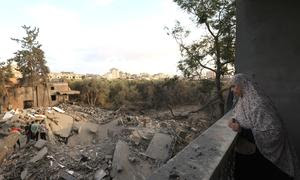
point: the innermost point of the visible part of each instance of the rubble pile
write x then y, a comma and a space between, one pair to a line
91, 114
93, 143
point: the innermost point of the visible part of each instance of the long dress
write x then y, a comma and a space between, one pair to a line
256, 166
256, 113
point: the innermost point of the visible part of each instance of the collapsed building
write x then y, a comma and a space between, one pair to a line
42, 95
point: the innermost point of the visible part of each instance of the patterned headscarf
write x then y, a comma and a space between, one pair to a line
254, 110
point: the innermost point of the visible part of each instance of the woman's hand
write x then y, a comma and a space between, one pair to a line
234, 125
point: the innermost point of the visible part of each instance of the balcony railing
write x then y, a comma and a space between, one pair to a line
209, 157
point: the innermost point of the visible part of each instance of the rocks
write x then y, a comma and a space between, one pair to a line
100, 144
24, 173
99, 174
135, 137
40, 155
66, 176
160, 147
121, 169
40, 144
61, 124
58, 110
8, 115
86, 133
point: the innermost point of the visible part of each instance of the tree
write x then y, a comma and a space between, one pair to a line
30, 59
214, 51
5, 75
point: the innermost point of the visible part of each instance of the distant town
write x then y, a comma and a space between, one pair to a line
113, 74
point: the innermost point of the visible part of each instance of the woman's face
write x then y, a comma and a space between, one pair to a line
237, 90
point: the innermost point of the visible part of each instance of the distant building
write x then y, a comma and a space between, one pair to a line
64, 75
117, 74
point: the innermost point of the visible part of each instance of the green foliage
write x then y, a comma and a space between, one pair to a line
142, 93
216, 50
5, 75
30, 59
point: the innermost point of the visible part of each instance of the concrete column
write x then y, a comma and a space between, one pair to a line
268, 46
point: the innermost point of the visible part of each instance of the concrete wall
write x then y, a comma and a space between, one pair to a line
268, 46
17, 96
59, 86
40, 97
206, 158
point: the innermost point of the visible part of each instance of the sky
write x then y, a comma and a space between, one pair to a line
93, 36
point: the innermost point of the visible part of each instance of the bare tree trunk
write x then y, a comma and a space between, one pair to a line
218, 76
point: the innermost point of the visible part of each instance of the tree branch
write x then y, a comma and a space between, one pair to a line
208, 27
202, 65
226, 62
213, 101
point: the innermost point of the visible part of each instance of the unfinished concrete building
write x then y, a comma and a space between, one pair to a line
42, 95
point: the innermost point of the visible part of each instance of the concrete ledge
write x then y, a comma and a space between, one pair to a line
202, 157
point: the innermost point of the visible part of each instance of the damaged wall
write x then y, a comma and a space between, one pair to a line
38, 96
22, 97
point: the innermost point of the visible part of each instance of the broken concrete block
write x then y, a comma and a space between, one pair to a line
99, 174
160, 147
39, 117
121, 168
132, 159
87, 133
39, 155
135, 137
24, 173
93, 129
76, 127
40, 143
8, 115
63, 126
146, 133
58, 109
66, 176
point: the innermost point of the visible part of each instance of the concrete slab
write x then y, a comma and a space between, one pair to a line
202, 157
160, 147
121, 168
62, 125
86, 133
39, 155
100, 174
65, 176
58, 109
24, 173
40, 144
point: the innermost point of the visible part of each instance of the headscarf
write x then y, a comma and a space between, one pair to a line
254, 110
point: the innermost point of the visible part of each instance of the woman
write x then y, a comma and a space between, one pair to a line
262, 148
